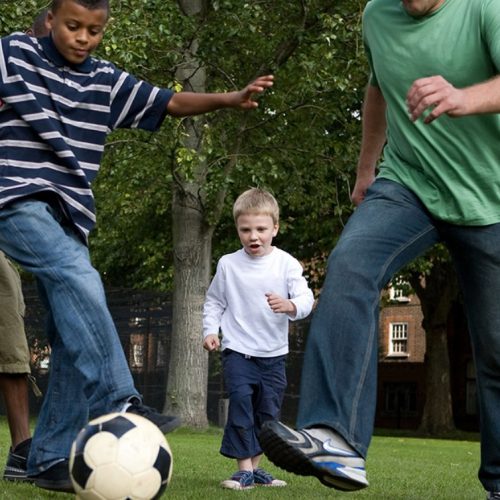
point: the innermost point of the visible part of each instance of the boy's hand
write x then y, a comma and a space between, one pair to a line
211, 342
243, 98
280, 305
196, 103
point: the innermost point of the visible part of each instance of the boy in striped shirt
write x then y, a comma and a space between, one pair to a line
57, 105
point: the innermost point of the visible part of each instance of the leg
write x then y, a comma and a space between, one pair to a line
14, 369
14, 388
35, 235
339, 377
240, 379
64, 408
388, 230
476, 254
268, 401
239, 440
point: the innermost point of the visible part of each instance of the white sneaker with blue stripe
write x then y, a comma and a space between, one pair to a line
318, 452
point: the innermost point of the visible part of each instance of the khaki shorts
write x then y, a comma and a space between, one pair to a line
14, 352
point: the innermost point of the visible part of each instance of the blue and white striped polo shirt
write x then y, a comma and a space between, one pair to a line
54, 119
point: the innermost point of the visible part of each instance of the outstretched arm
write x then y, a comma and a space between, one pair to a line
372, 142
194, 103
436, 94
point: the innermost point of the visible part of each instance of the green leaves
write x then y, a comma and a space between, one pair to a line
301, 143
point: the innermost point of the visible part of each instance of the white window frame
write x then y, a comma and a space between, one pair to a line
398, 334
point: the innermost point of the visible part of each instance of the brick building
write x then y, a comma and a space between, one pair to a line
401, 376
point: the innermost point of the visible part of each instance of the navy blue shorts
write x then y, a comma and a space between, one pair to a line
256, 387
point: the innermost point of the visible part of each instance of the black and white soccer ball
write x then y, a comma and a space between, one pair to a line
120, 456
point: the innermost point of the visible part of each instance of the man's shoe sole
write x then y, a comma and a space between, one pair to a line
61, 485
274, 439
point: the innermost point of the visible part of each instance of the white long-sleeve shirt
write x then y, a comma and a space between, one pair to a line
237, 305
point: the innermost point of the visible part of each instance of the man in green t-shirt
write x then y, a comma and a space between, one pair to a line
431, 112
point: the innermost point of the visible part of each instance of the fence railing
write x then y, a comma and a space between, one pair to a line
144, 324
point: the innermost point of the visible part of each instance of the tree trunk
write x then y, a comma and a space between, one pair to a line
436, 297
437, 417
188, 368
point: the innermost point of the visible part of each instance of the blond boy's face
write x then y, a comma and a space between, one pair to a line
256, 233
76, 30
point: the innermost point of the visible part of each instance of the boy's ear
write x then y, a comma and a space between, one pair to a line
275, 230
48, 20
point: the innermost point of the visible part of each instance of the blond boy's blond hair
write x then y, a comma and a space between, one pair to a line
256, 201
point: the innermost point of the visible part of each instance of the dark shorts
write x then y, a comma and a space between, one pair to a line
256, 387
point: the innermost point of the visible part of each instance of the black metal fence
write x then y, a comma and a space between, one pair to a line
143, 321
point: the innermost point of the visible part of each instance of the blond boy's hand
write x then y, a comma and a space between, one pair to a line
280, 305
211, 342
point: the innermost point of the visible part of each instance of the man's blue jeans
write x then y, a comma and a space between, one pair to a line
89, 375
339, 379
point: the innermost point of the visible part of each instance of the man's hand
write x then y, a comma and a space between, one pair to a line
437, 95
363, 182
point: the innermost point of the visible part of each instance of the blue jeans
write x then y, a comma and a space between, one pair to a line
339, 379
89, 374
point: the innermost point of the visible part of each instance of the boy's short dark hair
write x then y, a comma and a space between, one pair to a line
88, 4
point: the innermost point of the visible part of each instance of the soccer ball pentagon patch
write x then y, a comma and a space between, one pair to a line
120, 456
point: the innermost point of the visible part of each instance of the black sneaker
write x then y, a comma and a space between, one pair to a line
166, 423
55, 478
16, 466
493, 495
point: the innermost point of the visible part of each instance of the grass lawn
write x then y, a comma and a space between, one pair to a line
399, 467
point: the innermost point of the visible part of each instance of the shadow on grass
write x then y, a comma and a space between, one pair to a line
455, 435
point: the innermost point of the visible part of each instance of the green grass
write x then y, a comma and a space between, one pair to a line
399, 467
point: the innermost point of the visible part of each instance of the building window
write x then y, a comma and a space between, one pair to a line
161, 355
398, 339
137, 355
400, 399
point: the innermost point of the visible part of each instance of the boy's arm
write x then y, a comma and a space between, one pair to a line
213, 308
299, 292
194, 103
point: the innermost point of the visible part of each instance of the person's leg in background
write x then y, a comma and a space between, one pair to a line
14, 370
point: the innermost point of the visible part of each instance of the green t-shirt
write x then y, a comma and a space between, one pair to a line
452, 164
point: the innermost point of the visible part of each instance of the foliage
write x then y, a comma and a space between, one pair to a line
301, 143
18, 15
